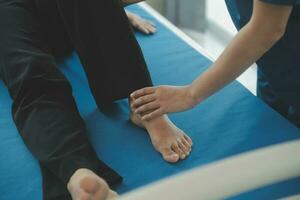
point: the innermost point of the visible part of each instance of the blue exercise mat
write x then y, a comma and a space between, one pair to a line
231, 122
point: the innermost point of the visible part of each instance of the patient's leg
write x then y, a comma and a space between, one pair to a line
114, 64
43, 108
108, 50
166, 138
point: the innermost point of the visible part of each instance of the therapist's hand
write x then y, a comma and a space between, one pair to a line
152, 102
140, 24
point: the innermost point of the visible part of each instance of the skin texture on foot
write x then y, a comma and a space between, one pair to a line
167, 139
86, 185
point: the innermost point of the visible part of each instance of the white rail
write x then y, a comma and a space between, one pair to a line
228, 177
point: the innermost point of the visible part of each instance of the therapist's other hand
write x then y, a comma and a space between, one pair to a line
142, 25
152, 102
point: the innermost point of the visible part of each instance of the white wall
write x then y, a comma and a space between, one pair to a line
158, 5
217, 13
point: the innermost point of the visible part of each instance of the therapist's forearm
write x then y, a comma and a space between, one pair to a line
244, 50
266, 26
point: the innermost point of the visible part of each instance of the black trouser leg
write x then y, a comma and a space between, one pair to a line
110, 54
43, 108
53, 187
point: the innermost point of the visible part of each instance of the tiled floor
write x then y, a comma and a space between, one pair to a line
214, 43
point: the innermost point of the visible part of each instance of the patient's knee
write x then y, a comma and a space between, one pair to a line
32, 78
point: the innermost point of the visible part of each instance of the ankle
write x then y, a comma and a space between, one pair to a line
159, 122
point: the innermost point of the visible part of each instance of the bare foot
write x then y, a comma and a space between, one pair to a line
166, 138
86, 185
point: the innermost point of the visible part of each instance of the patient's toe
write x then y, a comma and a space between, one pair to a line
169, 155
178, 150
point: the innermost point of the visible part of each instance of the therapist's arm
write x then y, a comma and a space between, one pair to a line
266, 27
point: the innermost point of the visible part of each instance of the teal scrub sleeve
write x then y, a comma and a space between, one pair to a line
282, 2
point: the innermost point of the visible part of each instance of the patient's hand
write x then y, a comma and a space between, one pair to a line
140, 24
156, 101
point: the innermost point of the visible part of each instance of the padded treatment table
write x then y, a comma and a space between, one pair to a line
229, 123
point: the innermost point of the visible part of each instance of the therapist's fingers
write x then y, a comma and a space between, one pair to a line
142, 92
155, 113
147, 107
142, 101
